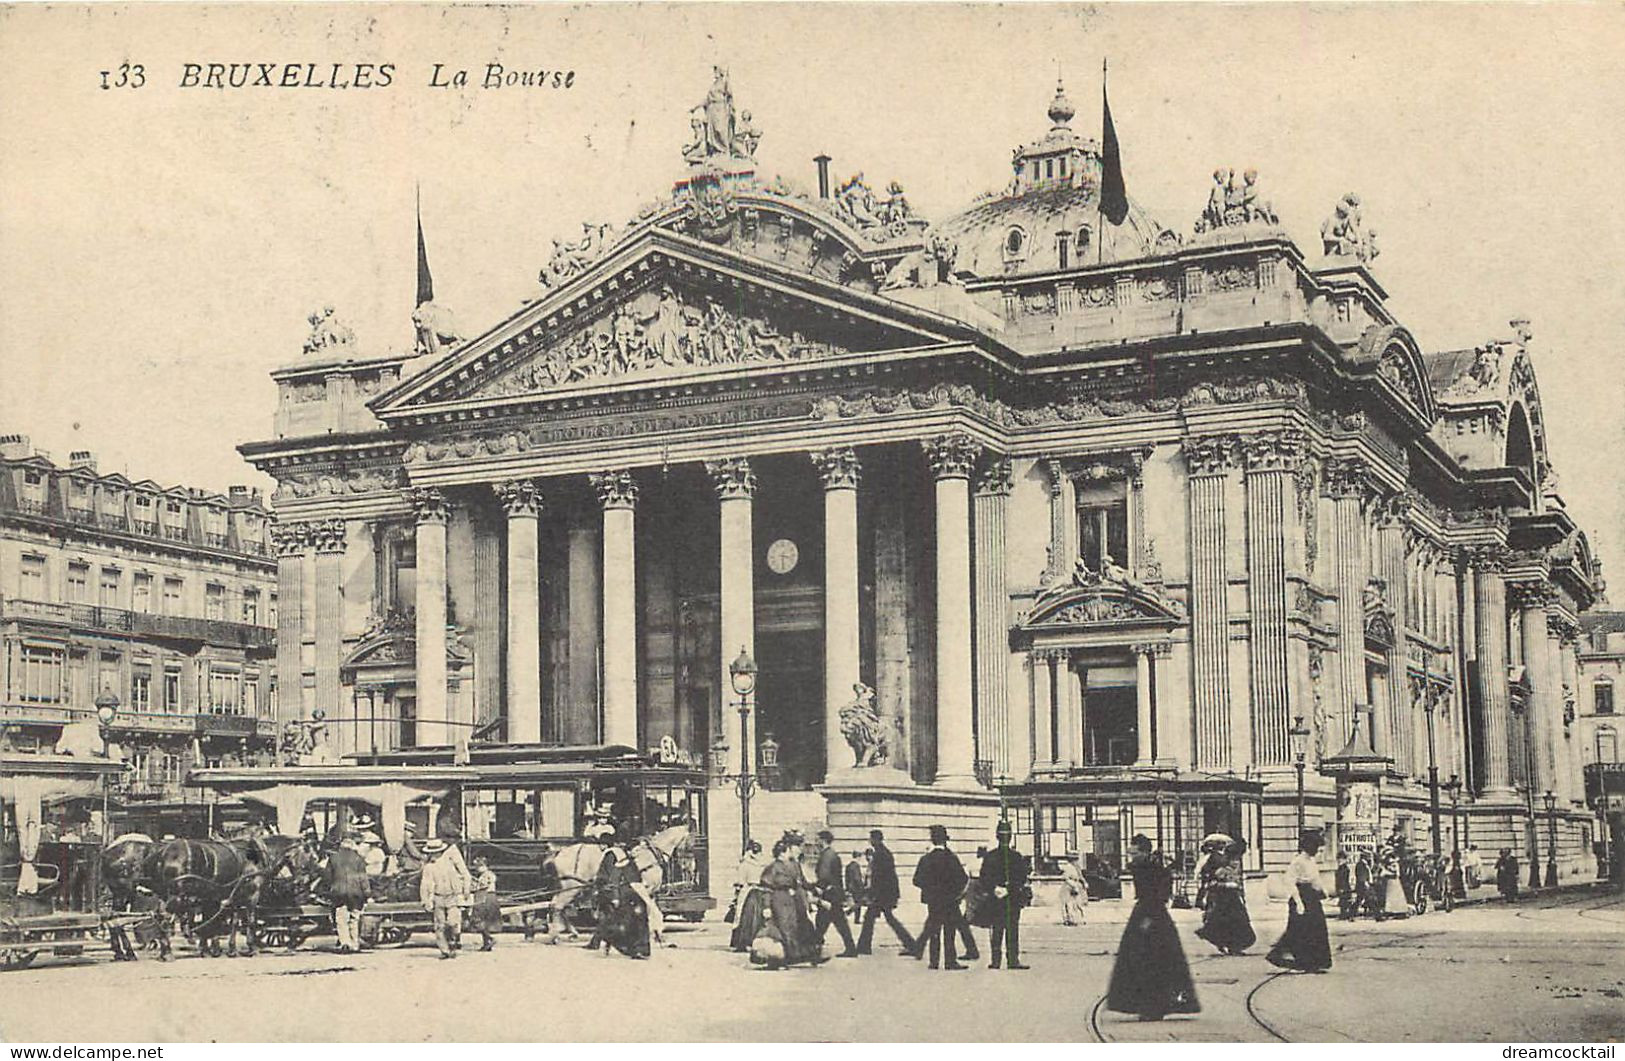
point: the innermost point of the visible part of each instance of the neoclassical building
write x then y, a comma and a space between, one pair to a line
1046, 506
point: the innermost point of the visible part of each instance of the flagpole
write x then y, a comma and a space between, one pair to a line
1100, 199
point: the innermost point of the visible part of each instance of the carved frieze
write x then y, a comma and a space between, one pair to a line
334, 482
732, 477
1255, 389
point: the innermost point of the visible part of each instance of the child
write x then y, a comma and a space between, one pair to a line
487, 915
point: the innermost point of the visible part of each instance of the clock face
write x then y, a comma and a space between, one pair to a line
782, 556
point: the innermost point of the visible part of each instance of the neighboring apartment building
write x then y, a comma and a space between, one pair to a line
164, 597
1602, 683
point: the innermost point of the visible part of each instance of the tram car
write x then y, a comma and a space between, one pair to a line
52, 808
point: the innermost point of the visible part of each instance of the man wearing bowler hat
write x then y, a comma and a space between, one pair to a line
1005, 879
941, 880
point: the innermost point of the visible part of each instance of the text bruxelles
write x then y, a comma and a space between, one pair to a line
359, 75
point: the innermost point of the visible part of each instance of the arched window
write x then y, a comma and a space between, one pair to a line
1015, 243
1520, 444
1607, 745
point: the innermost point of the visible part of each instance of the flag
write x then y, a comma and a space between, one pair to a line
1113, 197
425, 281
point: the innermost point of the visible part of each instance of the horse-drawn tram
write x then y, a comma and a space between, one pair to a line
49, 857
542, 818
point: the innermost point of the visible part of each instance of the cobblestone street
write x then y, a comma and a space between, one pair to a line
1546, 969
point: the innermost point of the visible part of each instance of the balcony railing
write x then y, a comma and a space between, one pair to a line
59, 714
114, 521
32, 505
173, 533
144, 624
214, 540
149, 527
81, 515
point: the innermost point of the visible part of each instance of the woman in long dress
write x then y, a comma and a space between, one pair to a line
750, 900
1150, 977
787, 937
1304, 945
1225, 923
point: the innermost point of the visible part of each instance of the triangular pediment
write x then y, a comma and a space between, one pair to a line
1093, 600
663, 307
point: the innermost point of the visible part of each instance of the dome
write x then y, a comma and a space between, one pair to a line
1049, 216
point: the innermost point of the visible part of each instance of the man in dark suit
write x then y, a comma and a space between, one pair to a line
857, 886
831, 888
884, 892
941, 880
1006, 888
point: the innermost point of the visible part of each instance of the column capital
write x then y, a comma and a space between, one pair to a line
1346, 478
1153, 649
327, 535
290, 539
1210, 454
1391, 511
951, 456
1272, 451
1563, 628
617, 489
1530, 595
428, 504
519, 497
1048, 655
1489, 559
993, 477
732, 477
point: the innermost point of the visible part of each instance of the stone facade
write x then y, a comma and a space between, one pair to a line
1100, 518
164, 597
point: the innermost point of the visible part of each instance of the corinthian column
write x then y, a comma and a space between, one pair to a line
1208, 461
1271, 459
1494, 705
618, 493
290, 541
735, 485
1347, 486
952, 457
429, 504
328, 537
839, 469
1544, 699
523, 504
992, 631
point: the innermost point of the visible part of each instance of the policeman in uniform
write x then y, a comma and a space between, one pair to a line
1005, 880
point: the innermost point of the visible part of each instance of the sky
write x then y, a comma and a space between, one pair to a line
162, 246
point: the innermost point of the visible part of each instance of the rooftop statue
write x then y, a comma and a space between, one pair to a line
568, 259
1230, 203
718, 131
1344, 233
328, 335
436, 328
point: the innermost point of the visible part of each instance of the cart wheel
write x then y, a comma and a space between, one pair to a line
273, 936
1421, 901
17, 958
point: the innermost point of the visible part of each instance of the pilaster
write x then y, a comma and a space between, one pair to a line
327, 537
431, 511
735, 484
1209, 461
992, 601
290, 540
1270, 460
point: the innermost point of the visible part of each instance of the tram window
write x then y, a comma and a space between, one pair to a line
558, 807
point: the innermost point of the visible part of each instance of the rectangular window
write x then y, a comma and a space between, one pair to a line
141, 592
172, 688
214, 601
1103, 534
251, 696
41, 675
1602, 696
251, 607
225, 692
111, 580
172, 596
270, 611
78, 583
1063, 248
107, 674
31, 580
141, 687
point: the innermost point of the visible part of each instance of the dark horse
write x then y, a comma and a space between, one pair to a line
214, 887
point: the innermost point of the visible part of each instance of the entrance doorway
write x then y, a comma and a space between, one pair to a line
790, 705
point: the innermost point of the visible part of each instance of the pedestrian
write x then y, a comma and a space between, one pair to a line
969, 901
941, 880
1364, 901
747, 875
444, 889
1150, 977
1074, 891
1225, 923
857, 885
1006, 880
1472, 865
1506, 875
485, 912
1345, 887
344, 878
787, 936
884, 893
1304, 945
830, 884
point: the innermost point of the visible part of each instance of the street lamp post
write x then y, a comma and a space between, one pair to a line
1453, 786
1551, 838
742, 673
1299, 736
1433, 773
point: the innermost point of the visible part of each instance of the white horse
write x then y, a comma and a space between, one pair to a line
578, 866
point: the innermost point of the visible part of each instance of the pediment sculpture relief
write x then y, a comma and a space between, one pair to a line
661, 331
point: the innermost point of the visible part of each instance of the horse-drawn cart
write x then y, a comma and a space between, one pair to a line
49, 889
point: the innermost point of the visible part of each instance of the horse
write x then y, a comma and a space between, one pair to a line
206, 882
129, 872
577, 868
